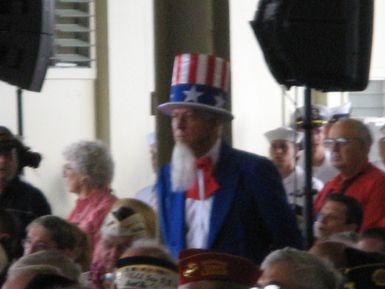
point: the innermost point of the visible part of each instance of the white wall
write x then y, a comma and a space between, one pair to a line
378, 45
256, 96
61, 113
131, 83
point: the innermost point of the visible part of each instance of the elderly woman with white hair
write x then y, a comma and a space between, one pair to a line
88, 173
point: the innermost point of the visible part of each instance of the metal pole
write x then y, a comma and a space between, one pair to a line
308, 209
19, 94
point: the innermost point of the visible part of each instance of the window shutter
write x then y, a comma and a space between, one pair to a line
74, 33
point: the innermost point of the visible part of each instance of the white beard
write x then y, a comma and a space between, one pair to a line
182, 167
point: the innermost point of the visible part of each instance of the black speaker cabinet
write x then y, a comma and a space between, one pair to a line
26, 41
325, 45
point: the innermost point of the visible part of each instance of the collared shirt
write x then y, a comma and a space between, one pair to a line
379, 164
148, 196
89, 214
197, 214
367, 187
325, 172
294, 186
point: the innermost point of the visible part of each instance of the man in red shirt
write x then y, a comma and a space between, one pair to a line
349, 141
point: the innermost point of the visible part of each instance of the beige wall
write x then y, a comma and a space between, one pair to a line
61, 113
131, 84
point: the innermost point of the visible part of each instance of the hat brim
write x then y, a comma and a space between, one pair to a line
167, 108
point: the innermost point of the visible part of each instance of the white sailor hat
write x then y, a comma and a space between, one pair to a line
342, 111
284, 133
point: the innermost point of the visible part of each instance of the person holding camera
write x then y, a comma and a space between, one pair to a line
22, 200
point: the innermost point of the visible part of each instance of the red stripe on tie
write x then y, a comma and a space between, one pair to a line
210, 70
192, 73
177, 67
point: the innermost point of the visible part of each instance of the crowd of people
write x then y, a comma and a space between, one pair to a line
217, 217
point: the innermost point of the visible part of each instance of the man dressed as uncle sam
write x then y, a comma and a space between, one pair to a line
212, 196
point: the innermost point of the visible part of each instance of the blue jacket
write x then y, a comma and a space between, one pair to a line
250, 215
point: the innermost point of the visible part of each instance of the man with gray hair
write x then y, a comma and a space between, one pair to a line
349, 141
291, 268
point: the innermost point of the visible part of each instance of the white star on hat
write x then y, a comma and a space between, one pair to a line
219, 101
192, 94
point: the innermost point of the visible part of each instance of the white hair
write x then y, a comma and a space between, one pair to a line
310, 272
182, 167
91, 158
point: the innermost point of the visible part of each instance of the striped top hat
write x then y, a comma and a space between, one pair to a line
199, 81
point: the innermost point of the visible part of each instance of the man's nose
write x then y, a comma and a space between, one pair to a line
335, 147
322, 219
180, 122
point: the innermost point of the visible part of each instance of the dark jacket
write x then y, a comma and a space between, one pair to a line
24, 202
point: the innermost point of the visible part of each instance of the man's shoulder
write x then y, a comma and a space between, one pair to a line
251, 164
374, 174
243, 156
23, 187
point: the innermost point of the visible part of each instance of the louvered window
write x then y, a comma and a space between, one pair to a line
74, 34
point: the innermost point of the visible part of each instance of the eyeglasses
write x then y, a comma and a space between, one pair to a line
340, 141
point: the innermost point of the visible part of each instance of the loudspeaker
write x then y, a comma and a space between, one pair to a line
26, 41
325, 45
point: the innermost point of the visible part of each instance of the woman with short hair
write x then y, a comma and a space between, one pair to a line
88, 173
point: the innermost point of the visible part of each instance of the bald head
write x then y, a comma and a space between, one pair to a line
355, 127
349, 141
